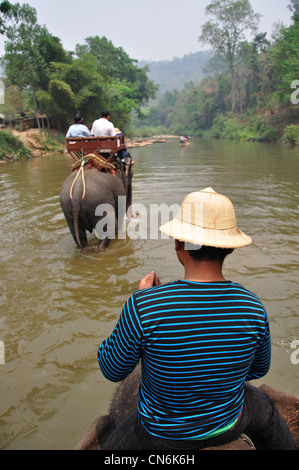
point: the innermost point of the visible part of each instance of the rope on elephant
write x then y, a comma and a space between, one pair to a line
93, 161
83, 180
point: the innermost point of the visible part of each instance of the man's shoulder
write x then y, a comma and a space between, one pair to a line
156, 290
247, 293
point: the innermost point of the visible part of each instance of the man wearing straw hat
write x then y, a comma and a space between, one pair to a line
200, 340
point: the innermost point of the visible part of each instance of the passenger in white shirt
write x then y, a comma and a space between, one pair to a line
103, 127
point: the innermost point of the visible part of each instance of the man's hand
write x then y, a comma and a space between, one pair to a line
149, 280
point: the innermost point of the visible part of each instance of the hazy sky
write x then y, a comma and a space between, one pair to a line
147, 30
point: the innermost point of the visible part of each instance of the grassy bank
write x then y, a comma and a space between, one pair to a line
16, 145
270, 126
12, 148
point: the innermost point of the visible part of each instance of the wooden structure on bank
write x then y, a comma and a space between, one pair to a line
104, 147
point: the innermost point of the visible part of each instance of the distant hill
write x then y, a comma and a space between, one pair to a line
176, 72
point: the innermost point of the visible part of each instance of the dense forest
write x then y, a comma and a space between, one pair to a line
242, 90
251, 89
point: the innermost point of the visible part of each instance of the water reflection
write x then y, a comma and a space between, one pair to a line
57, 302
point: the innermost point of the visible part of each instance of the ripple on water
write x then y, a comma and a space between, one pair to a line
58, 302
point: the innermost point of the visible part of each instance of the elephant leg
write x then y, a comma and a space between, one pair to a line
105, 228
103, 244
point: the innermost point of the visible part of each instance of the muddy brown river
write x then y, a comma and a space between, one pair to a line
58, 303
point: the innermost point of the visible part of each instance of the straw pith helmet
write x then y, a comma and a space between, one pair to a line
207, 218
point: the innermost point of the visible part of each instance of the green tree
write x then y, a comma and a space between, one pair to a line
14, 103
294, 7
11, 13
100, 76
58, 103
75, 87
121, 102
7, 12
285, 54
115, 66
232, 18
29, 51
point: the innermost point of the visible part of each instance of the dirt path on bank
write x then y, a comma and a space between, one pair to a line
36, 140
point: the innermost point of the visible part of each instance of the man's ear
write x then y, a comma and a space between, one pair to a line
179, 245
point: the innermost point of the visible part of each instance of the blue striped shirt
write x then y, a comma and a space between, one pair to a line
198, 343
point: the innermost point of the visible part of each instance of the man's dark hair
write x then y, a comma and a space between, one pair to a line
208, 253
105, 114
77, 118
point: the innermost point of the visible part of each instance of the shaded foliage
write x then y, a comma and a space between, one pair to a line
98, 75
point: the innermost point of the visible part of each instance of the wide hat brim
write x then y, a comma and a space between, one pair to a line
213, 225
186, 232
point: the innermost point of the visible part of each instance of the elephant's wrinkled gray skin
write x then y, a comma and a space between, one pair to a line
80, 202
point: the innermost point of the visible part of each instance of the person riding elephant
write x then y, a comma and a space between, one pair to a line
201, 340
78, 129
125, 400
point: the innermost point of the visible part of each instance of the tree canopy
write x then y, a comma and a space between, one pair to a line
246, 82
96, 76
7, 12
231, 19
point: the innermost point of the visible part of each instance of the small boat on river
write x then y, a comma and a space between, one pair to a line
184, 141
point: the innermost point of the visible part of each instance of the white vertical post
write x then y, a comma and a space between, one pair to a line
2, 353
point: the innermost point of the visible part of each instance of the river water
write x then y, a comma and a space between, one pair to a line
58, 303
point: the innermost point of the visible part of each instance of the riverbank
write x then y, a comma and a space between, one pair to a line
275, 125
41, 142
143, 142
15, 145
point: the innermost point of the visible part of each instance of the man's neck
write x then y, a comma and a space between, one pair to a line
204, 271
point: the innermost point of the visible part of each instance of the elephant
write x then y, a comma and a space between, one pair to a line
93, 199
125, 401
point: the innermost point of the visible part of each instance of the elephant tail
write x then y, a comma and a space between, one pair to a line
77, 195
76, 212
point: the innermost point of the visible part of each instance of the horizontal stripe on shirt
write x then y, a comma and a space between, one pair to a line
198, 343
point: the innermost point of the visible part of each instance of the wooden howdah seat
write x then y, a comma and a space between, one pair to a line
107, 147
